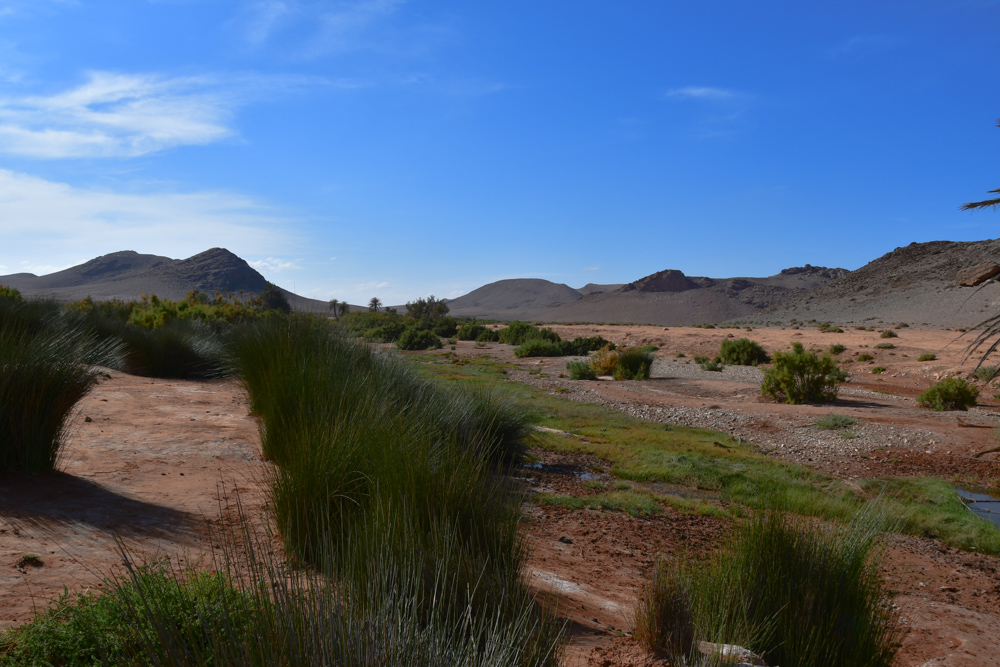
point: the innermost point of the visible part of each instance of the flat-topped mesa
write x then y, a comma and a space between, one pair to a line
670, 280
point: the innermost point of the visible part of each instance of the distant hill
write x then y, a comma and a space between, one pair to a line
914, 284
666, 297
511, 299
592, 288
128, 275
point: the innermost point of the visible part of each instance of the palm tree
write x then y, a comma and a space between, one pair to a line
989, 330
375, 304
336, 306
986, 203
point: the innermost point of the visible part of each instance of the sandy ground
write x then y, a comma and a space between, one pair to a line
152, 459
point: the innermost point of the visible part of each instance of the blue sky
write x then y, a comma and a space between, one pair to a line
400, 149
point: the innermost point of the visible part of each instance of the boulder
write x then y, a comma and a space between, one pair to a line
975, 275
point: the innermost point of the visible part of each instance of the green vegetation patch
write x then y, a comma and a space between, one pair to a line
949, 394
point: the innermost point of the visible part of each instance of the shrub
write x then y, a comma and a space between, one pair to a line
516, 333
581, 346
633, 364
802, 377
45, 374
878, 369
679, 355
885, 346
794, 592
386, 333
865, 357
712, 366
471, 331
985, 373
833, 422
888, 333
927, 357
605, 360
488, 336
826, 327
413, 338
741, 352
949, 394
445, 327
837, 348
581, 370
538, 347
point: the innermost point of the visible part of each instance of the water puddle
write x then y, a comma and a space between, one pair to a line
982, 504
587, 476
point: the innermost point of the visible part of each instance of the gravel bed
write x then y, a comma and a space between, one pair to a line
687, 368
794, 439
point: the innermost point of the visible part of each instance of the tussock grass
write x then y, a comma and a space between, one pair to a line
834, 422
251, 609
45, 369
373, 460
792, 591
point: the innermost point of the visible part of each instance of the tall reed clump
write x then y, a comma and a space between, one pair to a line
791, 591
377, 468
46, 367
252, 610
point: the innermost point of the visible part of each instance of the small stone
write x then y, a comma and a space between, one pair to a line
87, 419
565, 540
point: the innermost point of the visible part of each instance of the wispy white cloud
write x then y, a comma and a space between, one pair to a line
274, 264
374, 285
320, 27
128, 115
702, 93
861, 46
49, 224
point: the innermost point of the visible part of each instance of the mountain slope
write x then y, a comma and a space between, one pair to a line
510, 299
128, 275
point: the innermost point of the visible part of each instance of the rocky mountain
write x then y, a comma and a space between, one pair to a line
917, 283
666, 297
128, 274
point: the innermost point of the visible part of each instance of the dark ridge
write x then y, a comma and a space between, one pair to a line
670, 280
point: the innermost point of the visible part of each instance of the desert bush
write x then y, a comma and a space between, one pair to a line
581, 370
888, 333
445, 327
837, 348
517, 333
794, 592
45, 373
878, 370
865, 357
386, 333
833, 422
633, 364
949, 394
826, 327
712, 366
471, 331
604, 360
542, 347
885, 346
581, 346
488, 336
927, 357
10, 294
985, 373
802, 377
413, 338
538, 347
741, 352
